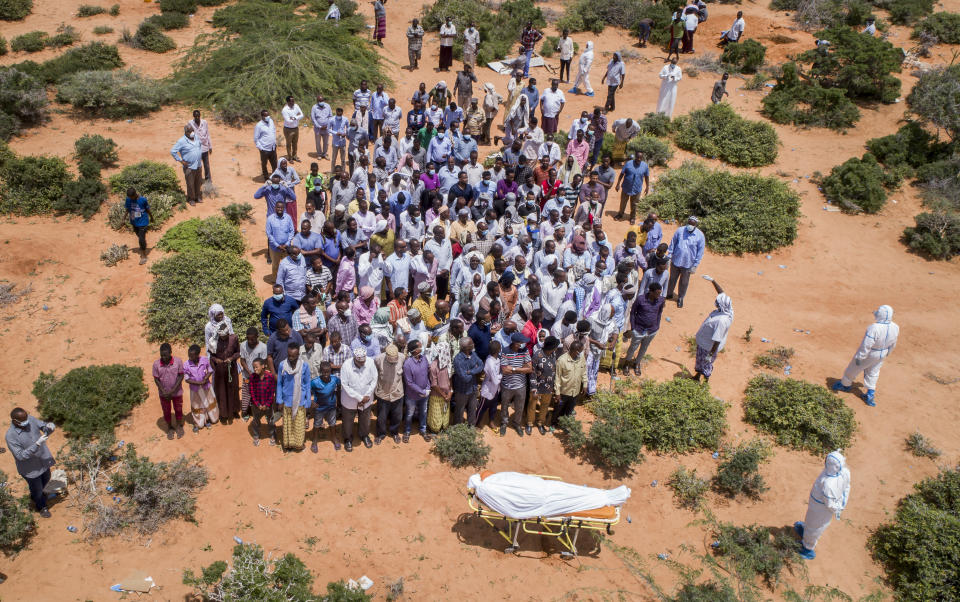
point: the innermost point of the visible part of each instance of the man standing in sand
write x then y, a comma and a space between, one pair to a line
202, 130
27, 442
471, 42
187, 152
414, 43
719, 89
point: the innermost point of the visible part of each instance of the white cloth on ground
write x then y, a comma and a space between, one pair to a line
520, 496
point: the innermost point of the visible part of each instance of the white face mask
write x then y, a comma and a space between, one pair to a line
690, 227
278, 297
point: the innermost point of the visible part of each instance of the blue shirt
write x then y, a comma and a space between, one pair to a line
533, 97
285, 386
488, 187
277, 350
465, 371
331, 248
308, 243
273, 310
415, 119
439, 149
481, 340
338, 127
462, 146
187, 150
686, 248
449, 116
654, 236
292, 275
137, 210
397, 269
448, 177
280, 194
633, 176
615, 298
372, 347
397, 207
325, 393
279, 231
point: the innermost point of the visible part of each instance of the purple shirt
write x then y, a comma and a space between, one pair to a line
197, 371
645, 314
416, 377
504, 188
430, 182
167, 375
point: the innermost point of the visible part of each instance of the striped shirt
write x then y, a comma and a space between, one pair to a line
514, 359
337, 357
318, 282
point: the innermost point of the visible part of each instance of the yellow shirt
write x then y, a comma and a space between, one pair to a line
456, 228
385, 241
571, 375
427, 311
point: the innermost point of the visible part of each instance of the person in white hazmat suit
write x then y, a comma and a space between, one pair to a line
828, 498
878, 342
583, 72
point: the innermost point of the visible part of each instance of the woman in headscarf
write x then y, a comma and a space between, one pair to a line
508, 293
514, 91
438, 404
381, 328
878, 342
712, 335
603, 329
575, 259
583, 73
587, 296
828, 498
226, 380
290, 179
491, 106
365, 305
211, 331
517, 120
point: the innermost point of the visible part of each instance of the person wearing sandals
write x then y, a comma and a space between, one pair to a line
263, 393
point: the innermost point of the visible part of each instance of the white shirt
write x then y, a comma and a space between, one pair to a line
714, 329
551, 102
367, 222
551, 297
471, 38
391, 119
622, 132
474, 172
447, 30
408, 229
691, 20
566, 48
370, 273
265, 135
357, 383
291, 115
435, 117
736, 30
615, 73
550, 150
321, 114
442, 252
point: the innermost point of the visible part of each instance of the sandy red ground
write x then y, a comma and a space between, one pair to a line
396, 511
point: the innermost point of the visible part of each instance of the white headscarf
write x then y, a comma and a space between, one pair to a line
725, 304
884, 314
297, 373
832, 487
211, 331
521, 109
490, 99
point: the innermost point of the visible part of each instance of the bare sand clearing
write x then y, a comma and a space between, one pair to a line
396, 511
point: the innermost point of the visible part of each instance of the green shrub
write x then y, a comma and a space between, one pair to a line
23, 99
920, 548
35, 41
169, 21
655, 124
245, 17
216, 233
718, 131
945, 27
184, 7
150, 37
688, 488
162, 205
3, 45
594, 15
856, 185
148, 177
775, 359
462, 445
81, 197
908, 12
617, 440
238, 212
114, 10
90, 401
656, 152
936, 234
89, 10
799, 414
922, 447
31, 185
499, 32
96, 147
935, 96
806, 103
95, 56
859, 64
307, 57
739, 213
745, 57
102, 30
751, 552
739, 471
574, 439
17, 524
66, 36
15, 10
186, 284
113, 94
911, 147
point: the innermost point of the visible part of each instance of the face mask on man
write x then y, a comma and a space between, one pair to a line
278, 297
691, 227
275, 186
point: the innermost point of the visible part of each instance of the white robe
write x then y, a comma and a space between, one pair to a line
583, 73
669, 76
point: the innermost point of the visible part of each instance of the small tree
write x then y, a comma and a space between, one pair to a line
935, 98
857, 185
859, 64
936, 234
745, 57
739, 472
16, 521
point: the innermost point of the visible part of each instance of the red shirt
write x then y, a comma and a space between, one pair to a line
530, 331
263, 389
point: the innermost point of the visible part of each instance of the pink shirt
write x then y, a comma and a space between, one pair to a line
346, 276
167, 375
578, 151
197, 371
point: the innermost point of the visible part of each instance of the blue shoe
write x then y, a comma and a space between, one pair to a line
589, 93
838, 386
798, 528
573, 90
808, 554
869, 398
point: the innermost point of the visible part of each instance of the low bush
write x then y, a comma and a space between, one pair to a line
616, 439
775, 359
32, 184
114, 10
15, 10
944, 27
89, 401
856, 185
102, 30
718, 131
148, 177
113, 94
162, 205
35, 41
574, 439
66, 36
935, 235
935, 97
216, 233
184, 7
238, 212
82, 197
3, 46
908, 12
743, 57
17, 524
799, 414
861, 65
462, 445
655, 151
655, 124
688, 489
95, 56
754, 551
114, 255
594, 15
920, 548
909, 148
922, 447
168, 21
23, 100
499, 31
806, 103
96, 147
150, 37
186, 284
739, 471
90, 10
739, 213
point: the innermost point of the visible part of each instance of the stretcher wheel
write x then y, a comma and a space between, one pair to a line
567, 555
510, 550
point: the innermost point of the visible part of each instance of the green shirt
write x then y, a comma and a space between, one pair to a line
314, 181
426, 136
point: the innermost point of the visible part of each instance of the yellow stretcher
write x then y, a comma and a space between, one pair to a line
561, 527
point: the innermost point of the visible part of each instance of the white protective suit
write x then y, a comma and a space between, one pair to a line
828, 498
669, 76
878, 342
583, 73
520, 496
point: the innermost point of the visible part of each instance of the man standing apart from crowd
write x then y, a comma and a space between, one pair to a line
471, 42
414, 43
27, 441
380, 21
202, 130
719, 89
448, 33
732, 35
685, 252
138, 210
528, 40
265, 139
188, 153
583, 72
613, 78
670, 75
712, 335
565, 48
291, 127
551, 105
635, 178
878, 342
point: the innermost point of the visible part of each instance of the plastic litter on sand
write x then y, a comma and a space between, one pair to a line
653, 484
238, 540
715, 455
72, 529
663, 556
